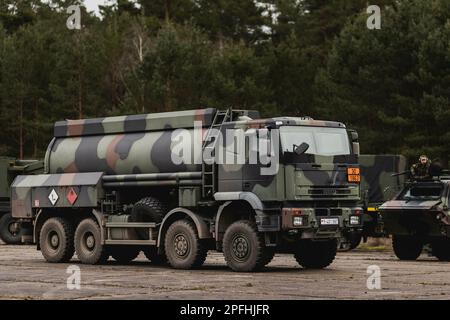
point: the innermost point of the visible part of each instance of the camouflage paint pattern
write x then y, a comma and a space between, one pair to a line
377, 186
30, 193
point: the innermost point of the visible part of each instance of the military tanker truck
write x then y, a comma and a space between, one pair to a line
175, 185
12, 232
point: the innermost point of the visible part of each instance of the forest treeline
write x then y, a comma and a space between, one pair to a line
283, 57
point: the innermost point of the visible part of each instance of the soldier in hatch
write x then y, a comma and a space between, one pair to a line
421, 170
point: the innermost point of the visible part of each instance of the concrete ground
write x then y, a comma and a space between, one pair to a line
25, 275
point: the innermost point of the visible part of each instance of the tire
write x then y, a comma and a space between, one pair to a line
407, 247
355, 241
124, 254
147, 210
7, 234
88, 243
316, 254
56, 240
441, 250
244, 247
183, 248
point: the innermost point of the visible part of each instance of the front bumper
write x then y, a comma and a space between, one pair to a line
321, 218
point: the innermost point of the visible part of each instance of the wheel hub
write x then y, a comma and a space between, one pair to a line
90, 241
181, 245
240, 247
54, 240
13, 228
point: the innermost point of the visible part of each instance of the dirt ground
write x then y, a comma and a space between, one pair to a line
25, 275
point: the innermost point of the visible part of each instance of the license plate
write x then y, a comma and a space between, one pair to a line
329, 222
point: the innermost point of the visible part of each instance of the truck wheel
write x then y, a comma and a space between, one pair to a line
441, 250
184, 250
11, 232
244, 247
151, 253
355, 241
147, 210
316, 254
88, 243
407, 247
124, 254
56, 240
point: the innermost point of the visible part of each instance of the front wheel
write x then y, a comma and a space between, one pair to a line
183, 248
316, 254
244, 247
407, 247
88, 243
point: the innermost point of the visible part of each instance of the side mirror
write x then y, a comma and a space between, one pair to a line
301, 149
354, 136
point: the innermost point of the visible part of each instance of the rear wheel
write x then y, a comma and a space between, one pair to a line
441, 250
316, 254
11, 231
56, 240
88, 243
184, 249
244, 247
407, 247
124, 254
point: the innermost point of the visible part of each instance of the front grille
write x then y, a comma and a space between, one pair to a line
325, 212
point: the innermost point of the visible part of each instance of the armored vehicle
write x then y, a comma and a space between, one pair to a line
178, 184
379, 183
418, 216
12, 232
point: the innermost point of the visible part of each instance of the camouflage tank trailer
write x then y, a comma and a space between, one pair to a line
379, 183
12, 232
153, 183
419, 216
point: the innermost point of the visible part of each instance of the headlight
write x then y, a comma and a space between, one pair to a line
298, 221
354, 220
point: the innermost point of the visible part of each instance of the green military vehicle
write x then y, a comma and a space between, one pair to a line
12, 232
379, 183
175, 185
419, 216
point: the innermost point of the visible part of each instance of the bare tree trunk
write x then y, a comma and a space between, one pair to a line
36, 129
21, 135
168, 102
167, 10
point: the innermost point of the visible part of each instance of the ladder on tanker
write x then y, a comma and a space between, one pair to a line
209, 176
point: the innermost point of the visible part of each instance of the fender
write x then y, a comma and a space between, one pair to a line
263, 221
202, 228
249, 197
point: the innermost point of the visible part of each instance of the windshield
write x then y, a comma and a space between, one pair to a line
322, 141
421, 192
